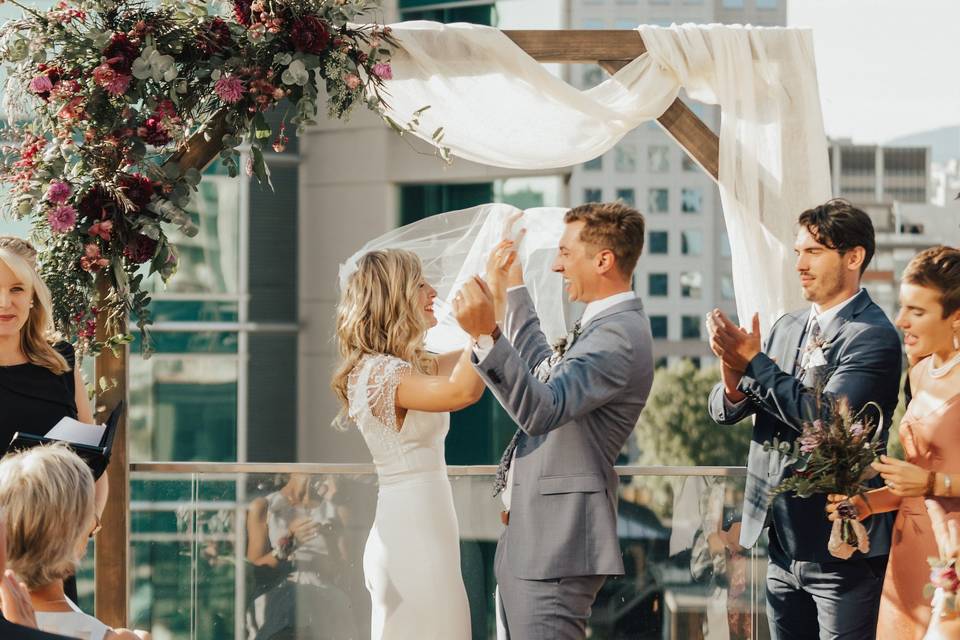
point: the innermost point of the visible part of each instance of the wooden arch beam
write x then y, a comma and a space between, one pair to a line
612, 50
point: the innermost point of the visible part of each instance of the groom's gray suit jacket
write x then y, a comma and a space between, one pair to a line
862, 350
563, 515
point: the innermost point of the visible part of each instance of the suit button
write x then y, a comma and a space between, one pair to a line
493, 376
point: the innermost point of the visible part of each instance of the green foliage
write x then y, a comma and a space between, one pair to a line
675, 428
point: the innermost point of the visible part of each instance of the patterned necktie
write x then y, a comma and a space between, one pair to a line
542, 373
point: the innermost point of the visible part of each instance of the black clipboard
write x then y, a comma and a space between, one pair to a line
96, 457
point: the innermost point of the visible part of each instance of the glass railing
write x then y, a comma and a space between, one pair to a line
210, 558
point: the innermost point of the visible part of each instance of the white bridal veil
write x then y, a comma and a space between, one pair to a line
454, 246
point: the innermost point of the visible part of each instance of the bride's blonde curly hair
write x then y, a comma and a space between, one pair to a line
379, 313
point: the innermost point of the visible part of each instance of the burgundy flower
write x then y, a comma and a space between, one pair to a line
138, 187
43, 86
96, 204
214, 38
153, 132
241, 11
121, 53
310, 35
140, 249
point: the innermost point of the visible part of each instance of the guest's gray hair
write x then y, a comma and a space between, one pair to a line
47, 500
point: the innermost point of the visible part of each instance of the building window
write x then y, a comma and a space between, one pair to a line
688, 164
658, 242
767, 4
625, 160
726, 287
658, 200
475, 14
690, 327
657, 284
658, 327
691, 242
905, 162
592, 23
858, 161
658, 158
733, 4
695, 361
691, 284
725, 245
593, 195
691, 200
594, 165
627, 196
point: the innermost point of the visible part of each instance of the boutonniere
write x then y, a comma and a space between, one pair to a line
813, 353
562, 344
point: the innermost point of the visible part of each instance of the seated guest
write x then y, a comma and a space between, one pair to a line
39, 380
17, 619
48, 498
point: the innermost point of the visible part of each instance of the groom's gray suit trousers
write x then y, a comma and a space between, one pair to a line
543, 609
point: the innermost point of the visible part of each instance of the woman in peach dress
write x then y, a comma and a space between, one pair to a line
930, 433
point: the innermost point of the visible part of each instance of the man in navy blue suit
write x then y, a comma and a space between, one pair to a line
843, 346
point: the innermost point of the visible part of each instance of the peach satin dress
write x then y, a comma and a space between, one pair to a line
931, 441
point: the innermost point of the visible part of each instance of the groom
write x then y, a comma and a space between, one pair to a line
575, 409
842, 347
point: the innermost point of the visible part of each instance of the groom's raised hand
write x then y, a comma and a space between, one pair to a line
473, 308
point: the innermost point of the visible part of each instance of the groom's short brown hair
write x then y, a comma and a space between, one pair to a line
613, 226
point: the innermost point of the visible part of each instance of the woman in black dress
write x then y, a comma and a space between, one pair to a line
39, 381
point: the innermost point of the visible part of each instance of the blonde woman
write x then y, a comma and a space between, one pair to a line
39, 380
47, 497
400, 397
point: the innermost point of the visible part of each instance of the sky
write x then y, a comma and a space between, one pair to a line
885, 67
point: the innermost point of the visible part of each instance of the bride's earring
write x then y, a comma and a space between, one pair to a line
956, 342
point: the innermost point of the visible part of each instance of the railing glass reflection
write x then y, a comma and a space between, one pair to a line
258, 552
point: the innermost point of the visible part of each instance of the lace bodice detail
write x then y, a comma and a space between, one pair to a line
398, 448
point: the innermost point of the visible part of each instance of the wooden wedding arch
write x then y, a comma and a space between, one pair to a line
611, 49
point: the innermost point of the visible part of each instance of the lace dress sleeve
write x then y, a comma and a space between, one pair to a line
373, 390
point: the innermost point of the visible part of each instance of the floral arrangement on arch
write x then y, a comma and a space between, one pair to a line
102, 98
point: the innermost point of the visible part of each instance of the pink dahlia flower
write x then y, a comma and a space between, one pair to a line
62, 218
229, 88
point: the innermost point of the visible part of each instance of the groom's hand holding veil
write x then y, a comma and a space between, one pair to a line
503, 267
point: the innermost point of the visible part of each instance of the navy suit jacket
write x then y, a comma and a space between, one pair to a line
863, 355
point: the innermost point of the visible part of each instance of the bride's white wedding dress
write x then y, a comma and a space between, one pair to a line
412, 558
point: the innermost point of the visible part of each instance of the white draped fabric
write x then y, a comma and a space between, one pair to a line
498, 106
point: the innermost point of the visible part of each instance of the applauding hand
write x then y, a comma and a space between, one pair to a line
734, 346
15, 601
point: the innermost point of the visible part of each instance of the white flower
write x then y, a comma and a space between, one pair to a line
153, 64
282, 59
296, 73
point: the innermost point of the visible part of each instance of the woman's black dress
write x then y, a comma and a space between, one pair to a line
32, 400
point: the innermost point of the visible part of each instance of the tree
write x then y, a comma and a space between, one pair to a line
675, 428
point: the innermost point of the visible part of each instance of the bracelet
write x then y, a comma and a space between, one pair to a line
947, 485
931, 482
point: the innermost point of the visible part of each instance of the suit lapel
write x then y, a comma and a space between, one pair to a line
849, 312
792, 344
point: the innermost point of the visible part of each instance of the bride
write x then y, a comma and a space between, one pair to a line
400, 396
